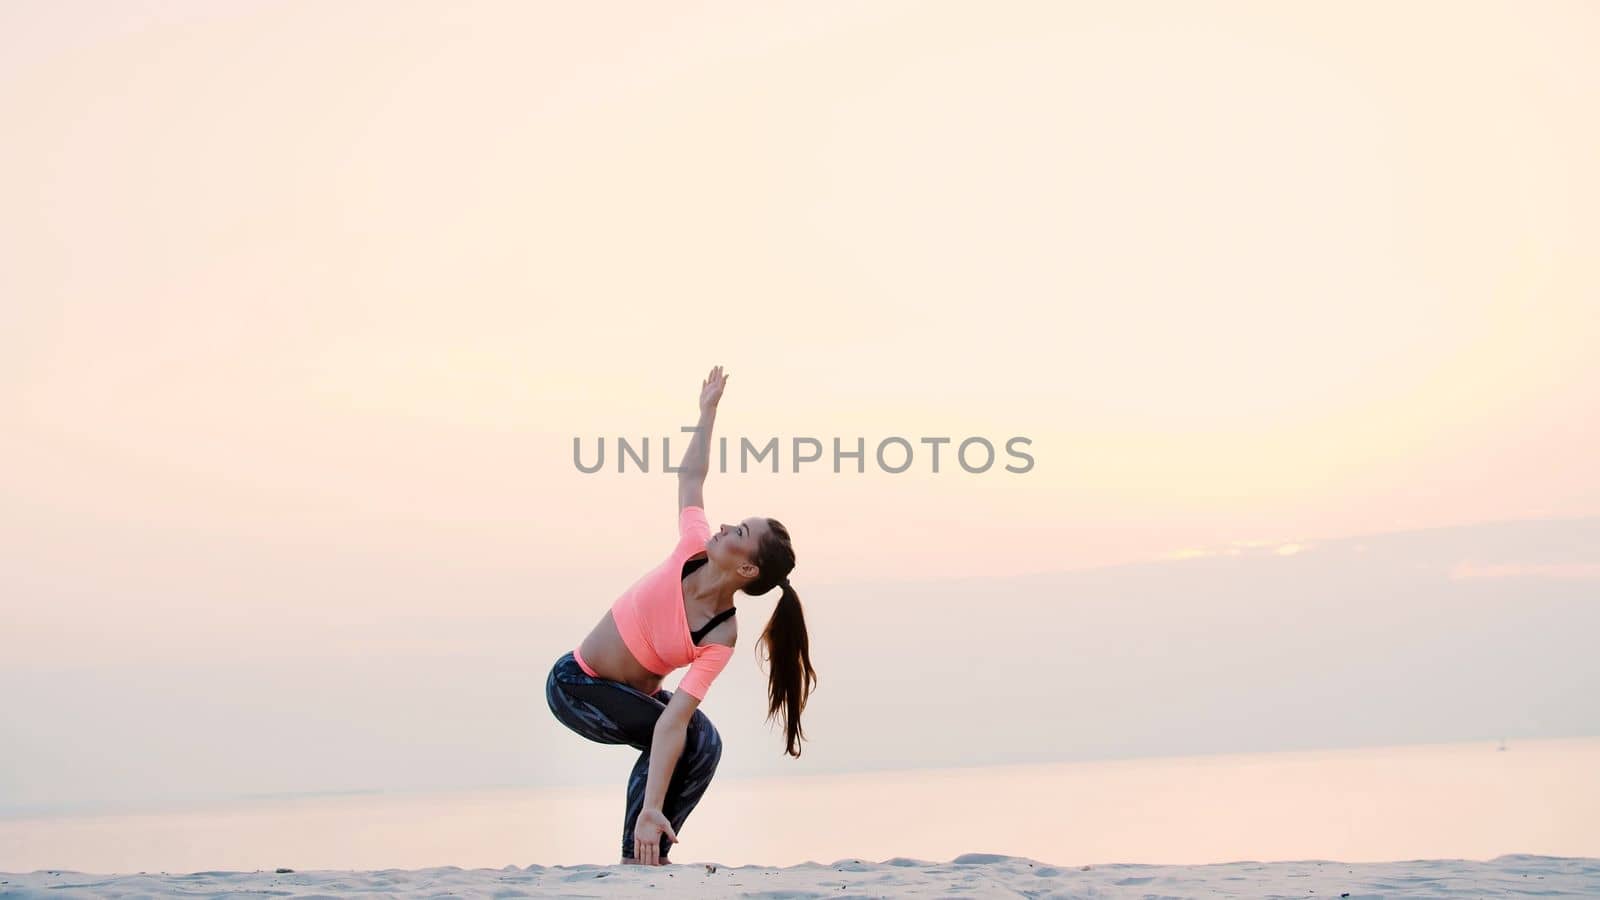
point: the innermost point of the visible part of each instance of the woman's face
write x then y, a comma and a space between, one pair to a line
735, 543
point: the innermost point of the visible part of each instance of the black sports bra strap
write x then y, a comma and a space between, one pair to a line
697, 635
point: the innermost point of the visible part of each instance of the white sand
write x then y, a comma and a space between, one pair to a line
972, 874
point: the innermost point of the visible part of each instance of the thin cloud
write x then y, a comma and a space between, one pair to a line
1235, 548
1467, 569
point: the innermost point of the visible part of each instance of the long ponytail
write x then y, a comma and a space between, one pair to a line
790, 678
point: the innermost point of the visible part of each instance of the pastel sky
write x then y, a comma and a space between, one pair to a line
304, 304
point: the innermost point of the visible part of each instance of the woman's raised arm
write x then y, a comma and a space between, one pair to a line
697, 459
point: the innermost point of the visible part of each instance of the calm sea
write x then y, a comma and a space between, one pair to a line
1472, 800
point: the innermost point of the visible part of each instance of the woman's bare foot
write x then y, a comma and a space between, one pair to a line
630, 861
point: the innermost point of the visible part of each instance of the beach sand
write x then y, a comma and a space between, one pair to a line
969, 875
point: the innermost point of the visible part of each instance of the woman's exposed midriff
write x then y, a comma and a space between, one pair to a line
603, 654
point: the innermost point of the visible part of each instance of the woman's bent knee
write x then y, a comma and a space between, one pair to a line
705, 739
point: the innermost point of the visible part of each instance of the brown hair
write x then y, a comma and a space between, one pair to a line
790, 679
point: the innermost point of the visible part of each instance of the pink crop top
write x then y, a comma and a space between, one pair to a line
651, 618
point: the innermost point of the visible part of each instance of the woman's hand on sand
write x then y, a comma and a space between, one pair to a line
647, 831
711, 389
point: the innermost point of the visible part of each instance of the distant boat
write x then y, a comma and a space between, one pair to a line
1502, 746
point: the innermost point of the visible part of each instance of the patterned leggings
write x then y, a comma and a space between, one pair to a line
610, 712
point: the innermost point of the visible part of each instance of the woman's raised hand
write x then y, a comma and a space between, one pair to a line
711, 389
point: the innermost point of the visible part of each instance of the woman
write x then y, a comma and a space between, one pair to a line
680, 613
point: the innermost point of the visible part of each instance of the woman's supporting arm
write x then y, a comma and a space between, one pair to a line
666, 746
